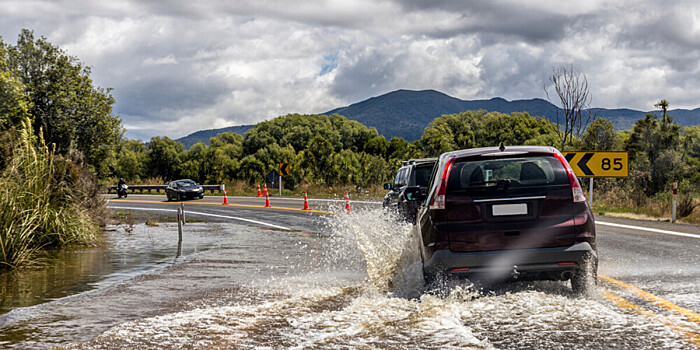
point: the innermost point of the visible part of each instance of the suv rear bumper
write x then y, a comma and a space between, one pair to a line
537, 264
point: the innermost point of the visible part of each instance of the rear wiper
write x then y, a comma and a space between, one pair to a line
483, 183
505, 183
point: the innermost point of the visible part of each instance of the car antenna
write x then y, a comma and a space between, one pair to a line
502, 147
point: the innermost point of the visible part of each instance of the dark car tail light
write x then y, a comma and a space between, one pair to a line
576, 189
438, 202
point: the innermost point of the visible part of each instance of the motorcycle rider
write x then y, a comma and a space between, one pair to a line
120, 187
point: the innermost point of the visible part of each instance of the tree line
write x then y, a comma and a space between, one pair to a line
332, 150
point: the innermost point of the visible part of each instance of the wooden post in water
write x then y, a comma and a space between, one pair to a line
179, 232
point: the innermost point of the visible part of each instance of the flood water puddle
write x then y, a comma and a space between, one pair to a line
64, 272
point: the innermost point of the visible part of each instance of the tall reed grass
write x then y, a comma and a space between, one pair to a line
45, 201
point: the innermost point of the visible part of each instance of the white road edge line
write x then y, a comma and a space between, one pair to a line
207, 214
649, 229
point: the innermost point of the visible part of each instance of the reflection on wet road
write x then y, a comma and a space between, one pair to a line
343, 282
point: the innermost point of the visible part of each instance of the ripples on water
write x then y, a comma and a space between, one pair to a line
366, 291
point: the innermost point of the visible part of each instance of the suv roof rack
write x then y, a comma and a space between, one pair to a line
419, 160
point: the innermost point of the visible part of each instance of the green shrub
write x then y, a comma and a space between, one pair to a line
45, 201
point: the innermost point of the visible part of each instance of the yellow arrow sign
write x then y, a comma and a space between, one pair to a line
599, 164
284, 169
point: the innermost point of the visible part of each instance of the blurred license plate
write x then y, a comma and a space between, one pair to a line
509, 209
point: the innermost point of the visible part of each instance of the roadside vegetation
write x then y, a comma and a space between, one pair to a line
331, 155
57, 134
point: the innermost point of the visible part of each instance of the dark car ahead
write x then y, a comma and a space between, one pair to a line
414, 172
507, 213
183, 189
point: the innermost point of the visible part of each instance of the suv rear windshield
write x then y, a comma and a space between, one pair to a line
484, 174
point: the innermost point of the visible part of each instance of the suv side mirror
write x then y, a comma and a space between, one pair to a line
387, 186
414, 193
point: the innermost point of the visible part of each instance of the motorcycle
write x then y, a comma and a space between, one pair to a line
121, 190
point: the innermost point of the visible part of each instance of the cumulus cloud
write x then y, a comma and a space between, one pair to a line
181, 66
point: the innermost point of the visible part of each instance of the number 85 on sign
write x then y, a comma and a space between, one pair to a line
598, 164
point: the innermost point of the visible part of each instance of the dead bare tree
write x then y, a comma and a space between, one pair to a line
571, 88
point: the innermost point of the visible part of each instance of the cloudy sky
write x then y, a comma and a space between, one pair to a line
186, 65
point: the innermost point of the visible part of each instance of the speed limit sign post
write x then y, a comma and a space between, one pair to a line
598, 164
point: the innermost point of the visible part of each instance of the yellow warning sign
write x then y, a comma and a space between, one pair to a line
599, 164
284, 169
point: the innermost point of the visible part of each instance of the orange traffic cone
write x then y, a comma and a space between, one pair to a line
265, 190
259, 194
225, 198
306, 202
347, 202
267, 200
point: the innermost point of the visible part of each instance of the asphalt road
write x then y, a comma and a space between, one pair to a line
637, 252
646, 268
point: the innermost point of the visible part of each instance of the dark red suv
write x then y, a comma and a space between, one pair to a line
506, 213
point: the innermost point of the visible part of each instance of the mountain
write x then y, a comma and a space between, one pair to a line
405, 113
204, 135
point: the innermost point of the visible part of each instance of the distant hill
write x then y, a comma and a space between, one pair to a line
203, 136
405, 113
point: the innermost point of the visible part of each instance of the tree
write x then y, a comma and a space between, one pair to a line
164, 158
14, 106
131, 160
65, 106
663, 105
251, 170
571, 88
600, 136
653, 147
480, 129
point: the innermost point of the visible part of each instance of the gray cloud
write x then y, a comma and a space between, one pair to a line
181, 66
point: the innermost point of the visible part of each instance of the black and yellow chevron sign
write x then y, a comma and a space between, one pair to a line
284, 169
598, 164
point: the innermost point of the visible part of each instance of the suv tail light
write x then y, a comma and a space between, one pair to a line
438, 202
576, 189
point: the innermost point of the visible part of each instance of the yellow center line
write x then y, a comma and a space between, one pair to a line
690, 335
690, 315
230, 205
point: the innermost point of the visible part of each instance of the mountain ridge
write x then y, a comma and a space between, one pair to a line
405, 113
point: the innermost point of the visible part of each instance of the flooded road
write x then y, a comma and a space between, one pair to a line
354, 281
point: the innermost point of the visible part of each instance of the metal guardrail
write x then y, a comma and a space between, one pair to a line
158, 188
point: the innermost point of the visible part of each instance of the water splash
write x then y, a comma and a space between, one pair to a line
385, 247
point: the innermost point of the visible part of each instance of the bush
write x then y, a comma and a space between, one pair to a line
46, 200
686, 205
